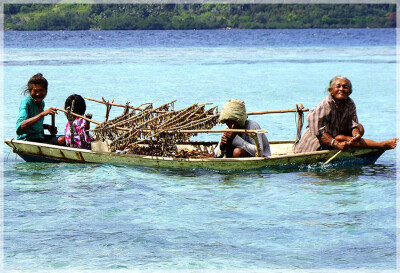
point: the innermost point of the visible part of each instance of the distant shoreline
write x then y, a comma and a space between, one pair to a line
12, 30
196, 16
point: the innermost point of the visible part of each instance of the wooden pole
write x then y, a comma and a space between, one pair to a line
53, 124
249, 113
114, 104
126, 106
126, 109
259, 131
71, 124
79, 116
108, 106
276, 111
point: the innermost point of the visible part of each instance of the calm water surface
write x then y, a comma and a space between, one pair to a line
90, 217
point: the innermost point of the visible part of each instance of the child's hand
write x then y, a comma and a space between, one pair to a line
89, 116
49, 111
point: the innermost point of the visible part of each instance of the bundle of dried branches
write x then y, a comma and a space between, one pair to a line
155, 131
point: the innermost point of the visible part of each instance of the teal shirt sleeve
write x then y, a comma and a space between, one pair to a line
27, 110
22, 115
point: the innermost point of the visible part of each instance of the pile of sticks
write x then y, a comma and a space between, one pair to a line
160, 128
145, 130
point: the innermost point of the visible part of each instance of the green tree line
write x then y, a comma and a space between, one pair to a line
196, 16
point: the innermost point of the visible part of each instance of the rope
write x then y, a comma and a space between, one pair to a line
299, 119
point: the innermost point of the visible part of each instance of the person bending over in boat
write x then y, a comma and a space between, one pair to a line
333, 123
82, 138
233, 114
31, 114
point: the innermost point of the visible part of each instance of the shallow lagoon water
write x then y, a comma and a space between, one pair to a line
76, 217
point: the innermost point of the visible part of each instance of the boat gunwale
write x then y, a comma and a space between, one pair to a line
149, 157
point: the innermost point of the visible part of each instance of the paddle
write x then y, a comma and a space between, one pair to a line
338, 153
332, 158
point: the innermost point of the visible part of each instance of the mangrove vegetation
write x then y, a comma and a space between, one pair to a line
196, 16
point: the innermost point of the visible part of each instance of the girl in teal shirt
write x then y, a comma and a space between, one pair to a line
31, 114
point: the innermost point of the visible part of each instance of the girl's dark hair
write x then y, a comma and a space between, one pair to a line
79, 104
36, 79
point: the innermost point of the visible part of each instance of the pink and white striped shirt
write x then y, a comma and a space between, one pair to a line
82, 138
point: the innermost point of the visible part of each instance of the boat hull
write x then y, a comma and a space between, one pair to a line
281, 157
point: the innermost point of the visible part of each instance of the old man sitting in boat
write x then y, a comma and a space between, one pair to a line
233, 144
333, 123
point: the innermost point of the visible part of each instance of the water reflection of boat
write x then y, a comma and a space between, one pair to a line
282, 156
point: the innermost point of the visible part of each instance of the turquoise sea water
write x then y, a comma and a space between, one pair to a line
76, 217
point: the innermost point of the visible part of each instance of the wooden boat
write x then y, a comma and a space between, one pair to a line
282, 157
